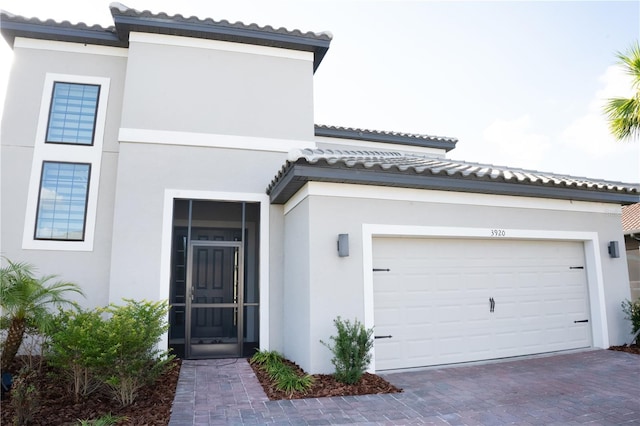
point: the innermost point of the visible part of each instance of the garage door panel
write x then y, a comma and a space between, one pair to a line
437, 293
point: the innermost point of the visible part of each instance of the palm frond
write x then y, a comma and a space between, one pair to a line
624, 117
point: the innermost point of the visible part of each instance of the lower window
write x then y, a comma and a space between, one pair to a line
62, 201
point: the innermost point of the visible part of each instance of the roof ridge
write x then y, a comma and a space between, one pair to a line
388, 132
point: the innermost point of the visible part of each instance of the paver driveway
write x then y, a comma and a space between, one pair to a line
597, 387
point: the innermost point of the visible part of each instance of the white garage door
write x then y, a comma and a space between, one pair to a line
453, 300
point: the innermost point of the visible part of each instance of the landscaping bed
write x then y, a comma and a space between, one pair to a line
632, 349
58, 407
324, 385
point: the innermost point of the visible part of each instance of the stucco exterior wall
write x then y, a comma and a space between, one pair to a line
90, 269
145, 171
336, 284
205, 89
297, 300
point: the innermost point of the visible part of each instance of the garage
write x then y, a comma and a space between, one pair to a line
449, 300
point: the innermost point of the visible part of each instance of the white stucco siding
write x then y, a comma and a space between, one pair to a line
276, 280
145, 172
33, 62
337, 284
297, 302
176, 84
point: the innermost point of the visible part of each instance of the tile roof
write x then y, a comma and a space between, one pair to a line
425, 172
127, 19
631, 219
413, 139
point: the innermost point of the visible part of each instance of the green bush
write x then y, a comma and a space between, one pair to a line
351, 350
632, 313
130, 358
283, 375
76, 347
114, 346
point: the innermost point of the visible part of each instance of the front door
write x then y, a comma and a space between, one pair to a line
215, 293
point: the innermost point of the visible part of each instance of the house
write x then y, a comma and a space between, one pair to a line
177, 158
631, 229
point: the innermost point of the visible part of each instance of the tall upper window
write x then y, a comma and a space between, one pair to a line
62, 203
72, 115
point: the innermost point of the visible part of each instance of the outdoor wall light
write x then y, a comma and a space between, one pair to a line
343, 245
614, 251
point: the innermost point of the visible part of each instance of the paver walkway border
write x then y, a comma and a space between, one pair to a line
596, 387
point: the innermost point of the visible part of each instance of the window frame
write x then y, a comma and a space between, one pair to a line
86, 200
50, 114
66, 153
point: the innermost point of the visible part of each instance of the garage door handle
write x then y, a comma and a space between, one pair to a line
381, 269
581, 321
492, 304
383, 337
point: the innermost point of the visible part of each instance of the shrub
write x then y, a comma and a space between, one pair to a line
130, 359
114, 346
75, 348
632, 313
351, 350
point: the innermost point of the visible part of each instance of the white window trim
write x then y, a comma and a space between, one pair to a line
595, 280
68, 153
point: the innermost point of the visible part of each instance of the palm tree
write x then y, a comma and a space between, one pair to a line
25, 300
623, 113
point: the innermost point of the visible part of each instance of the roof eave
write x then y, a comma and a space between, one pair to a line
12, 29
297, 175
126, 24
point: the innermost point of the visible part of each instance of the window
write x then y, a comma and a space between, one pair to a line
72, 115
62, 203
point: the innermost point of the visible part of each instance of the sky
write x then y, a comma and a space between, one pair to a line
518, 83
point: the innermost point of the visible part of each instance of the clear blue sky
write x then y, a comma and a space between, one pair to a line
519, 83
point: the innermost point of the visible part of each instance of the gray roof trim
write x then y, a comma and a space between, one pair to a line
13, 26
225, 32
127, 20
425, 141
412, 171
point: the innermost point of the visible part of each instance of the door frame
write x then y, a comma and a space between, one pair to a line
238, 305
170, 195
595, 280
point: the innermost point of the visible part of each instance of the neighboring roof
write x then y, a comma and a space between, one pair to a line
426, 141
423, 172
631, 219
127, 20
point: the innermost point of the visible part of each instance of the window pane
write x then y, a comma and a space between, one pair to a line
63, 201
72, 117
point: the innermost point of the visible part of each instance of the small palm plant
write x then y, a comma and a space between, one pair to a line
25, 301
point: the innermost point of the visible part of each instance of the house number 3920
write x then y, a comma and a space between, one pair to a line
498, 233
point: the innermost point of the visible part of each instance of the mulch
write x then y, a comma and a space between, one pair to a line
632, 349
325, 385
57, 406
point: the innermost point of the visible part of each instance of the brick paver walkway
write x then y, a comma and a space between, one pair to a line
595, 387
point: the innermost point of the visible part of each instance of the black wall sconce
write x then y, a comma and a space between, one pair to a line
343, 245
614, 250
